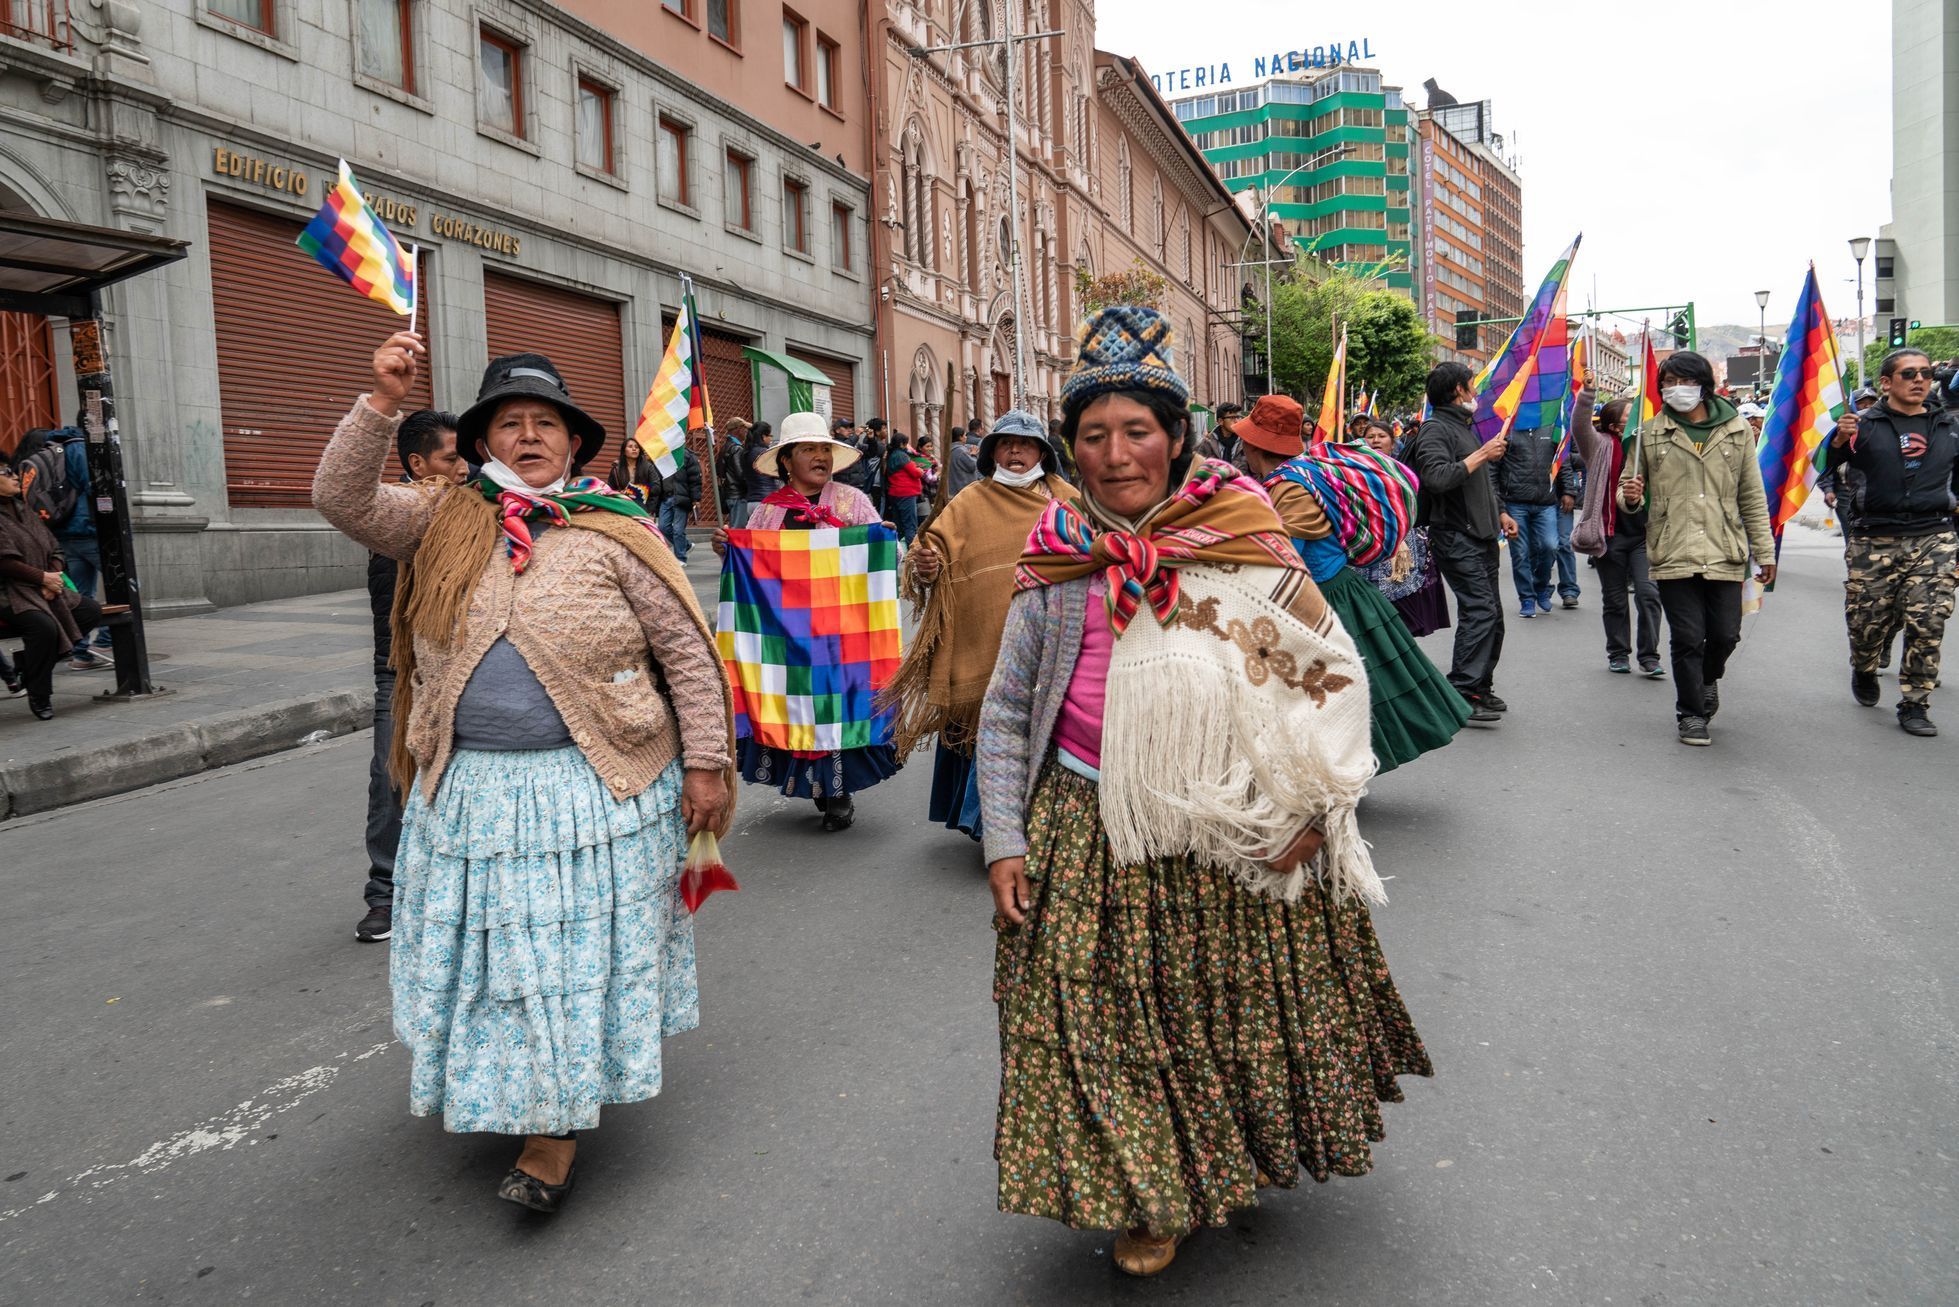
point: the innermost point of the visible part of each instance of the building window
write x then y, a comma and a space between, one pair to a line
682, 7
840, 218
674, 140
722, 20
500, 88
1886, 306
255, 14
828, 59
795, 64
592, 138
795, 215
384, 47
1125, 186
1884, 265
738, 191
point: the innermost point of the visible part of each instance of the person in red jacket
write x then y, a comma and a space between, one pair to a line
905, 479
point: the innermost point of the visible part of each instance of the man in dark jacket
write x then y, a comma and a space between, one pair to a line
81, 553
873, 450
1897, 469
426, 445
1459, 506
678, 495
961, 460
1532, 499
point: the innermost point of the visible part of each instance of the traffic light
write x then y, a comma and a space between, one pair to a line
1677, 328
1466, 329
1897, 333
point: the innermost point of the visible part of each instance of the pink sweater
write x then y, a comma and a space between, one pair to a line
1078, 730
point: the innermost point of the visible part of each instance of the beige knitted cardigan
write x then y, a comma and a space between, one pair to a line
591, 619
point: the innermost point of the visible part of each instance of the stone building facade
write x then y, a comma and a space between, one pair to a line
1106, 181
559, 167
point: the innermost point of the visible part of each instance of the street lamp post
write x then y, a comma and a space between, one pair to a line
1265, 247
1859, 247
1761, 339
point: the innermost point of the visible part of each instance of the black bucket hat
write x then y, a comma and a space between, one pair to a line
528, 376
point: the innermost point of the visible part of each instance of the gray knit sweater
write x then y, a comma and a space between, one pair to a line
1038, 651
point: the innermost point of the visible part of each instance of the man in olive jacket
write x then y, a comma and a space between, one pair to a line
1693, 466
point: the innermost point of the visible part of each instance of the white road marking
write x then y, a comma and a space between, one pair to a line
222, 1132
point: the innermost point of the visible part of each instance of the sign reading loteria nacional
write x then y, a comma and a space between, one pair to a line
1200, 76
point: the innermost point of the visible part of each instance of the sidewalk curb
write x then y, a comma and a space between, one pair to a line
97, 771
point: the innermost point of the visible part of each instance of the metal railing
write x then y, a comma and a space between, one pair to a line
44, 22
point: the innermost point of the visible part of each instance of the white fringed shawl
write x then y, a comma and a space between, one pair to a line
1236, 727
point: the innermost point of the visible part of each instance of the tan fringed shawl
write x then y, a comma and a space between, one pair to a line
433, 590
942, 681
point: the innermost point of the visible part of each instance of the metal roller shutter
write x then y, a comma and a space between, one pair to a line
580, 335
843, 381
730, 390
295, 348
28, 397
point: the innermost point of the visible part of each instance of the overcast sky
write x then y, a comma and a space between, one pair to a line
1707, 149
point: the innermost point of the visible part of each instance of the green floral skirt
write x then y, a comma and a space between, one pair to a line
1166, 1034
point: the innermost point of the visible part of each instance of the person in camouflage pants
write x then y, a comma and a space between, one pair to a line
1898, 461
1900, 581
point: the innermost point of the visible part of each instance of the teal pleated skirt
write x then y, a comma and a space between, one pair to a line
541, 952
1415, 709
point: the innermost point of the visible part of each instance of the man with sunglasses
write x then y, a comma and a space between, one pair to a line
1903, 552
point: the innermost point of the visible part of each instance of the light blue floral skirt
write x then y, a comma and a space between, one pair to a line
541, 951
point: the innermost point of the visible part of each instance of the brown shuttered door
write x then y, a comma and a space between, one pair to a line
579, 334
730, 388
843, 382
27, 390
295, 349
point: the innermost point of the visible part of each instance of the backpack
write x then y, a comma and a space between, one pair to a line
1368, 497
50, 491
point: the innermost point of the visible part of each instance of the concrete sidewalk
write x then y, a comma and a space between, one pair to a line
241, 682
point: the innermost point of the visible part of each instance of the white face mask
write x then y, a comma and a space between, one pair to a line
1681, 399
1018, 480
507, 477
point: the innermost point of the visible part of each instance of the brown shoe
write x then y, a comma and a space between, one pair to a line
1141, 1253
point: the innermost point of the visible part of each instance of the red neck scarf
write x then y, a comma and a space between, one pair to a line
801, 508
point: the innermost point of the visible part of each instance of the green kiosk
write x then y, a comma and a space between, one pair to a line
784, 385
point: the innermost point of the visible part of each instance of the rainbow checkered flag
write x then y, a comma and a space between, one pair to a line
808, 630
678, 395
353, 245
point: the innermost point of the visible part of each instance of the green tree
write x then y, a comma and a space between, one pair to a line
1939, 343
1387, 347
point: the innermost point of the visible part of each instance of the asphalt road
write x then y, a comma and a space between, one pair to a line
1691, 1010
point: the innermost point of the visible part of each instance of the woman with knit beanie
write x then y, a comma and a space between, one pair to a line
1192, 1001
1415, 709
960, 576
562, 725
807, 459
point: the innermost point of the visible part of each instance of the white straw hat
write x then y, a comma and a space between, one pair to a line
804, 429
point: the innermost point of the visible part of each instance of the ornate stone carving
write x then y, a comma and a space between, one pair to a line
138, 188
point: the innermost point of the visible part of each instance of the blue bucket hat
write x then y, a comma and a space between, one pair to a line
1017, 422
1124, 347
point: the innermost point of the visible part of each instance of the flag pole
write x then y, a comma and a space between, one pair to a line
414, 283
713, 470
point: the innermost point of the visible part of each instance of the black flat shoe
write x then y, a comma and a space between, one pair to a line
526, 1190
45, 711
840, 813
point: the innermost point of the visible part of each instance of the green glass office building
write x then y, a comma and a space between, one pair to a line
1348, 208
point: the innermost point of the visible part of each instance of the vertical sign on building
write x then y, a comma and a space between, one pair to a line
1428, 229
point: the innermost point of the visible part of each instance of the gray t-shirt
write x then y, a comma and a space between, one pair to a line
504, 707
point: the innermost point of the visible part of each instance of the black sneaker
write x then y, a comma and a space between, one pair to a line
1864, 688
1711, 700
1915, 719
1693, 730
1571, 601
1623, 666
1494, 704
1652, 671
377, 925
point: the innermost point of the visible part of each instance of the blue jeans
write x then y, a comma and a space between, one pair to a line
1534, 551
1567, 560
673, 525
82, 560
904, 515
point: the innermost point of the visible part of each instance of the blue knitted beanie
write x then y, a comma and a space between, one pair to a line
1124, 347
